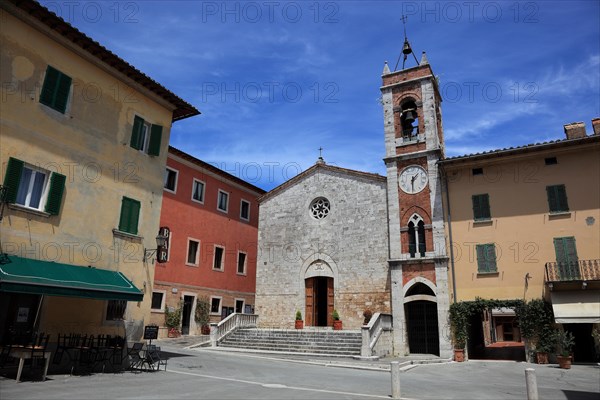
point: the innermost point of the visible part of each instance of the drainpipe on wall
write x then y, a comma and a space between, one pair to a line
446, 191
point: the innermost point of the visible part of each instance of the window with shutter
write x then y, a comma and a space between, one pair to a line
55, 90
486, 258
29, 186
481, 207
146, 137
130, 212
557, 198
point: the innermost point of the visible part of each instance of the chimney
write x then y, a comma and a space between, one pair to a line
596, 126
575, 130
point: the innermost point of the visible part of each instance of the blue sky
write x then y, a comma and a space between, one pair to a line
276, 80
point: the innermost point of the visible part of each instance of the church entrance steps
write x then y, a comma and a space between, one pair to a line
345, 343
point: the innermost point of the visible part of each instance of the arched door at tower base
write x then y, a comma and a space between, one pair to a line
319, 301
422, 327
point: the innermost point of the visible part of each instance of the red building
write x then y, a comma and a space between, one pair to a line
212, 221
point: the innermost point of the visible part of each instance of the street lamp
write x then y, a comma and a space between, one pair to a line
161, 241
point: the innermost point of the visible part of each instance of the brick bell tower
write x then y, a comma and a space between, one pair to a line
417, 250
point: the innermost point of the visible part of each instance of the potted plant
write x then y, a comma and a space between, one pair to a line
545, 343
536, 321
299, 324
173, 320
367, 315
459, 323
202, 314
565, 341
337, 323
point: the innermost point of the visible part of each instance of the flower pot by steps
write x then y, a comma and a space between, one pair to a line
564, 362
174, 333
337, 325
459, 355
299, 324
542, 357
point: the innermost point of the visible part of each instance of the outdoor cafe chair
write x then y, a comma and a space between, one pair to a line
134, 354
152, 358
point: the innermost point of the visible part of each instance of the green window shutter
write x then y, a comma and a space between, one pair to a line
561, 194
138, 124
130, 210
481, 264
552, 201
491, 257
486, 258
14, 169
481, 206
565, 249
62, 93
571, 249
55, 90
557, 198
155, 139
57, 188
49, 86
559, 249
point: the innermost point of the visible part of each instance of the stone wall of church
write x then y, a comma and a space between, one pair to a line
351, 243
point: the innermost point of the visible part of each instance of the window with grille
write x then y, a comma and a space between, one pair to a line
115, 310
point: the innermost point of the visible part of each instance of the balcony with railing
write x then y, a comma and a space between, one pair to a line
582, 271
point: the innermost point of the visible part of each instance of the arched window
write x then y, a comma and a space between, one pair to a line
416, 236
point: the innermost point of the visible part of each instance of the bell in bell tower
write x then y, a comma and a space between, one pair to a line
418, 263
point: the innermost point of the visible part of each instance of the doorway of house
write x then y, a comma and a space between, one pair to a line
584, 350
319, 301
186, 314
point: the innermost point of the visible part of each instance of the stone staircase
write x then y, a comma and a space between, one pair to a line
335, 343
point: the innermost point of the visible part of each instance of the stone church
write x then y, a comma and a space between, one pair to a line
338, 239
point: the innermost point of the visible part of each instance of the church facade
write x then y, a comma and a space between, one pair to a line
336, 239
323, 247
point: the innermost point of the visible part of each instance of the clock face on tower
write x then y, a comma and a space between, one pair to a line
413, 179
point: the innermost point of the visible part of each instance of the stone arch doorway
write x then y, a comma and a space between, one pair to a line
319, 294
420, 307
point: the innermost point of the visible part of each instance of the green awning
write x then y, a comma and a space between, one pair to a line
25, 275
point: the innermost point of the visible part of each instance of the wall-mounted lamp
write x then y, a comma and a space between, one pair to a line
161, 241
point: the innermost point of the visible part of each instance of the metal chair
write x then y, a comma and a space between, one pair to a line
5, 358
134, 354
153, 359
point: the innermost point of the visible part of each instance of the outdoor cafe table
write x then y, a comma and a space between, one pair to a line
24, 353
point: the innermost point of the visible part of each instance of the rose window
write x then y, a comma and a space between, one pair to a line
320, 208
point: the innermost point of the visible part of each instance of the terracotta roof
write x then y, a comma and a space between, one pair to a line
215, 170
520, 149
300, 176
55, 23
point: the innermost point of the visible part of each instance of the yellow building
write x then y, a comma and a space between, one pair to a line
523, 223
83, 148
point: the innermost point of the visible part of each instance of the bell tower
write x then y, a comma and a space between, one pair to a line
417, 258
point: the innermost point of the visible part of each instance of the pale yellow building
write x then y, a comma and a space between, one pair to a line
83, 147
523, 223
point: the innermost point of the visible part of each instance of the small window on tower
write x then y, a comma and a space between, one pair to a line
477, 171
